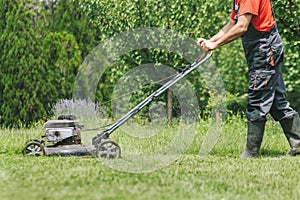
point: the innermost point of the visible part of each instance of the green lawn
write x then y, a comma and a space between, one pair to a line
219, 175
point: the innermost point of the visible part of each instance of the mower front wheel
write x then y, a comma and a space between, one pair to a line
33, 148
107, 148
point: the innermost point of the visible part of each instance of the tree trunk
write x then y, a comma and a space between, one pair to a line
169, 105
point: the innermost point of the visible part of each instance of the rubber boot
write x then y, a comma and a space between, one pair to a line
254, 139
291, 128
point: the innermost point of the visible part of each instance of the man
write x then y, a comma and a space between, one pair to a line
254, 22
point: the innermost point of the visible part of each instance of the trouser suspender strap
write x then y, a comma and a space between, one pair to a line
236, 10
272, 10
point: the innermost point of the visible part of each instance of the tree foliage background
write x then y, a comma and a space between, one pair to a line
43, 45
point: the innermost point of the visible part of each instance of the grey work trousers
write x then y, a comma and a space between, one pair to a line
266, 91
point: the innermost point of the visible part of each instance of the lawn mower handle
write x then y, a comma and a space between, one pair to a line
106, 133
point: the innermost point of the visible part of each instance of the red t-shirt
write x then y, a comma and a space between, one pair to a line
262, 19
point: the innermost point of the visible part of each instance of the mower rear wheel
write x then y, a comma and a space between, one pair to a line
33, 148
107, 148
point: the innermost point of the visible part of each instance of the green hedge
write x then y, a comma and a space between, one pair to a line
45, 42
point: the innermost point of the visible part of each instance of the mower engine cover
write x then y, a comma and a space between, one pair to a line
58, 130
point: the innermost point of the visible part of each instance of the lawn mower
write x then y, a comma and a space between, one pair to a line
65, 132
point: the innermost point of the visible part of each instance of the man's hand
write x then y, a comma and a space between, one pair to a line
206, 44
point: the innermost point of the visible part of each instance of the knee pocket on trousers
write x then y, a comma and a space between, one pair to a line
261, 80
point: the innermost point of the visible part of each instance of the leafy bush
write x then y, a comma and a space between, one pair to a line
44, 43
